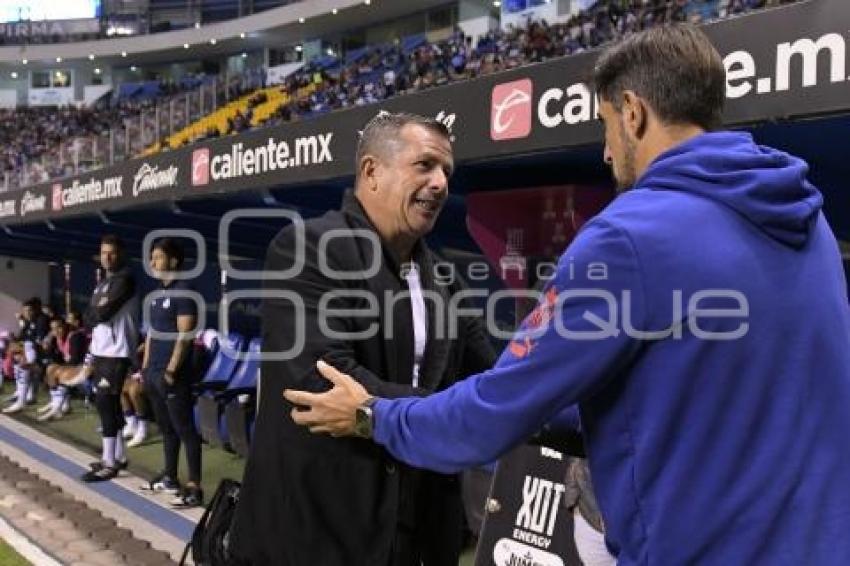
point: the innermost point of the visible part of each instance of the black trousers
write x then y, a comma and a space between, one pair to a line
173, 409
437, 537
108, 375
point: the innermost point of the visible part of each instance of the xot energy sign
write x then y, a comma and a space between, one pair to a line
242, 160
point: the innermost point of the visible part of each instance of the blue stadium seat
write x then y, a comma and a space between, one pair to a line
326, 62
411, 42
128, 90
204, 350
239, 416
139, 90
223, 366
211, 405
356, 54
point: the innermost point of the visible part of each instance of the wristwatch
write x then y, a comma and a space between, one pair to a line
364, 419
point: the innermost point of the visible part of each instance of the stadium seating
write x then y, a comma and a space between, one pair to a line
45, 148
211, 405
223, 366
239, 421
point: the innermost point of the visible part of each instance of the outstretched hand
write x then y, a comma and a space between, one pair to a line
333, 411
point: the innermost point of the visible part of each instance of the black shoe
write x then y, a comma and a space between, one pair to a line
119, 465
104, 474
190, 497
162, 482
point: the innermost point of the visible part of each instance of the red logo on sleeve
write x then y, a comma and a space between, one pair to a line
522, 346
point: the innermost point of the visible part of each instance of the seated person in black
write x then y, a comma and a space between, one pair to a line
65, 350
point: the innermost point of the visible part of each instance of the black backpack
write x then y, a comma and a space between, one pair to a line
210, 539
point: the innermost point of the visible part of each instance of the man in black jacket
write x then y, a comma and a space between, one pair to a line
34, 324
359, 301
65, 345
113, 318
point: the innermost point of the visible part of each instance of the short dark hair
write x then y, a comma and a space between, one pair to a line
385, 126
171, 248
675, 68
33, 302
114, 241
58, 319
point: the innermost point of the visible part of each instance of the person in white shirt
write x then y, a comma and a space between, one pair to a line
113, 316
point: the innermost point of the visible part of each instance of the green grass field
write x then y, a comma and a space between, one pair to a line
8, 556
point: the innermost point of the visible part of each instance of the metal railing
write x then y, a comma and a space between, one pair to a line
132, 135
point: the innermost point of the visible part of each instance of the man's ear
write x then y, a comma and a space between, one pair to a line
369, 172
172, 263
635, 114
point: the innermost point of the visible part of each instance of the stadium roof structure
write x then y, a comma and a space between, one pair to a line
274, 27
535, 125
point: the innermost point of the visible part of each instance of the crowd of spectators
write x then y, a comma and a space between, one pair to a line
44, 142
30, 134
32, 137
387, 70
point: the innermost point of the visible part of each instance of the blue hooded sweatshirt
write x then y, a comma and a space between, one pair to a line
724, 437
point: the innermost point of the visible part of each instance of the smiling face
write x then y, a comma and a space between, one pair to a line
407, 185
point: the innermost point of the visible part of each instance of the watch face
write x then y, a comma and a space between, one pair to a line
363, 422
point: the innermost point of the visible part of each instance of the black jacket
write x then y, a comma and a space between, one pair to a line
77, 347
311, 500
34, 330
113, 316
109, 296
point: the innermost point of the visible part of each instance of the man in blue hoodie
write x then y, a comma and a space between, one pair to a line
701, 324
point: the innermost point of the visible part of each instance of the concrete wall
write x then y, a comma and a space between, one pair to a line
475, 19
8, 98
20, 279
18, 85
553, 12
82, 76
